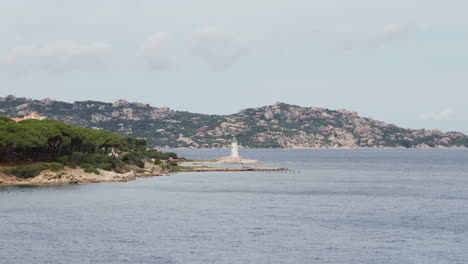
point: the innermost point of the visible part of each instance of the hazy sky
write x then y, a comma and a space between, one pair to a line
400, 61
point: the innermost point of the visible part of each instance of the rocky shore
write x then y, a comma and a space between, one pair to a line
78, 176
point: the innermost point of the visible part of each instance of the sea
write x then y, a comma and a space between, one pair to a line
341, 206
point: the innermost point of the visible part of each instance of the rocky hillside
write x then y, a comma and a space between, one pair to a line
276, 126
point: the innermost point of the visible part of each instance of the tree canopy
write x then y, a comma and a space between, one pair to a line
46, 140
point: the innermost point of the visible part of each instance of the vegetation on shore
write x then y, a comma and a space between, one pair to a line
52, 145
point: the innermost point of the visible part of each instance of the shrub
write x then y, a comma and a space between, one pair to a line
86, 165
120, 166
23, 172
163, 166
106, 166
76, 157
64, 160
72, 164
92, 170
42, 166
134, 158
56, 166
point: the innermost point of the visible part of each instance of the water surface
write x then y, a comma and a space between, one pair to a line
346, 206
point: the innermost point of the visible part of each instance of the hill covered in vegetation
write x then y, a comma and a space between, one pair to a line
276, 126
51, 144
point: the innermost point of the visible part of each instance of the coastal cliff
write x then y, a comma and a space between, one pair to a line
275, 126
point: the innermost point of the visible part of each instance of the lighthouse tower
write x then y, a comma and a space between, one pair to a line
234, 157
234, 149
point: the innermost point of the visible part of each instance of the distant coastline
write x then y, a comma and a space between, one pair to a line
326, 148
280, 125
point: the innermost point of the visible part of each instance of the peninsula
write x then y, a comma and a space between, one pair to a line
37, 151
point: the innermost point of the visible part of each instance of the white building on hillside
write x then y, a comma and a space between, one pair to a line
30, 116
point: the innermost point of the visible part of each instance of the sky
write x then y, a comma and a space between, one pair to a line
402, 61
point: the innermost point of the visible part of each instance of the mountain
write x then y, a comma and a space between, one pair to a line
276, 126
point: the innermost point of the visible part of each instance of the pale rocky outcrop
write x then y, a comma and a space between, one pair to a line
269, 115
75, 176
96, 118
120, 103
22, 107
78, 176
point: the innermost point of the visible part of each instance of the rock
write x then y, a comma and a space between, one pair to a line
22, 107
47, 101
96, 118
120, 103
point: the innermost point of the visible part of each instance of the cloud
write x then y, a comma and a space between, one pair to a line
56, 57
443, 115
377, 39
218, 48
155, 51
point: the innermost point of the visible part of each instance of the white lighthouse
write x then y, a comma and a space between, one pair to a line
235, 158
234, 148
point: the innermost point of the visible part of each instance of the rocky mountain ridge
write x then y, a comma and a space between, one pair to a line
276, 126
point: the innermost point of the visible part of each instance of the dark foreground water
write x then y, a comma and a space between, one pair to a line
346, 206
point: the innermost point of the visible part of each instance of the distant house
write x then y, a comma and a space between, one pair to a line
35, 116
173, 160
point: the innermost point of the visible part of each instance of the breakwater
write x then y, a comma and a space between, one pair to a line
260, 169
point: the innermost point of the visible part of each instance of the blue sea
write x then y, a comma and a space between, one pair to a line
345, 206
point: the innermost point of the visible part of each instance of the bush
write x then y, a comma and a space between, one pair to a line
64, 159
106, 166
56, 166
26, 172
86, 165
163, 166
42, 166
71, 161
76, 157
120, 166
92, 170
72, 165
96, 160
23, 172
134, 158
